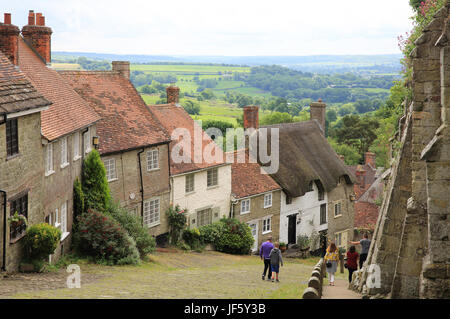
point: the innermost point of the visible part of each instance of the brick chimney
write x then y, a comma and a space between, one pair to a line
317, 112
251, 117
360, 176
123, 67
369, 159
38, 36
173, 93
9, 37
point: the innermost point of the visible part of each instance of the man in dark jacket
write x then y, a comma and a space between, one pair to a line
264, 253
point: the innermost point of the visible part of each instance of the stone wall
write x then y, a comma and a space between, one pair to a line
411, 239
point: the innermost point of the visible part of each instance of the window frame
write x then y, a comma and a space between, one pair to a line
12, 137
63, 222
107, 162
268, 195
201, 217
147, 214
247, 204
336, 205
76, 146
49, 165
151, 161
288, 200
214, 177
323, 214
22, 203
266, 225
189, 184
87, 141
64, 152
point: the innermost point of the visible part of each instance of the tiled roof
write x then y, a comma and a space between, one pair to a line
174, 117
69, 112
16, 92
366, 214
247, 179
126, 120
369, 178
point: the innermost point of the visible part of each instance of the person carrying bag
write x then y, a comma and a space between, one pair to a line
331, 261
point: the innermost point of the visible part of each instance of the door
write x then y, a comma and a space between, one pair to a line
292, 229
254, 228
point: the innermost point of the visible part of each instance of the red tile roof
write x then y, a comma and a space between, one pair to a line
175, 117
126, 120
16, 92
369, 178
247, 179
69, 112
366, 215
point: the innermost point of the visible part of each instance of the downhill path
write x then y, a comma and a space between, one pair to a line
339, 291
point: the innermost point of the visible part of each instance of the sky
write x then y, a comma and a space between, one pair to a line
227, 28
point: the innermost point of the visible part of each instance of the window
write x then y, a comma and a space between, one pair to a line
323, 214
56, 221
310, 186
64, 157
245, 206
110, 166
337, 209
204, 217
268, 200
338, 239
64, 218
267, 225
189, 187
12, 138
87, 141
152, 160
288, 200
19, 205
76, 146
49, 159
321, 195
151, 212
212, 177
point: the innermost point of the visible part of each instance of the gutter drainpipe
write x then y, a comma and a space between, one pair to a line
4, 230
142, 184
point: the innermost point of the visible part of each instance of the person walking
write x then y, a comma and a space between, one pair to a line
352, 262
331, 261
264, 253
365, 245
276, 260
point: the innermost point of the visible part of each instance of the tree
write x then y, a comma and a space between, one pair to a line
94, 183
191, 107
415, 4
276, 118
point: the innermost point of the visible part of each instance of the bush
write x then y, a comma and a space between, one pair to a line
176, 218
102, 238
193, 238
145, 242
78, 198
229, 236
40, 241
94, 183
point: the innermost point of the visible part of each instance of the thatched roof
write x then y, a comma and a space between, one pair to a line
305, 156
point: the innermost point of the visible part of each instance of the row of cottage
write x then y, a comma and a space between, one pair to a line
50, 120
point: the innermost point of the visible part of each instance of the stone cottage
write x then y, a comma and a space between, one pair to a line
132, 143
317, 186
199, 184
255, 199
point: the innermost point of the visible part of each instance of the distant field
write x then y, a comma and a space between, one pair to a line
202, 69
66, 66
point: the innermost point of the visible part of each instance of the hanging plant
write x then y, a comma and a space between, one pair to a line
17, 220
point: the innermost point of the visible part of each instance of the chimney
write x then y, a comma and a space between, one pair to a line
9, 37
360, 176
369, 159
172, 94
317, 112
38, 36
251, 117
123, 67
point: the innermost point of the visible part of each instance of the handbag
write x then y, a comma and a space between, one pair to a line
328, 264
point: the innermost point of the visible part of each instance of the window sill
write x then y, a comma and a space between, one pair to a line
113, 180
336, 216
267, 206
76, 158
153, 169
49, 173
57, 225
154, 225
212, 187
189, 193
87, 151
64, 165
64, 236
11, 157
245, 213
16, 239
266, 232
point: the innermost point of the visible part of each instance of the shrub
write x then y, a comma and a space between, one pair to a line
145, 242
40, 241
78, 198
176, 218
234, 237
193, 238
94, 183
102, 238
303, 241
211, 233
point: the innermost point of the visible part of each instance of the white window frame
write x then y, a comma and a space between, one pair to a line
49, 159
337, 208
267, 225
57, 224
110, 166
189, 183
76, 146
245, 206
64, 153
152, 160
268, 200
147, 216
214, 172
87, 141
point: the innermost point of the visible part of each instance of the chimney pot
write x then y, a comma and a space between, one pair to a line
38, 36
173, 93
7, 18
123, 67
251, 117
31, 18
